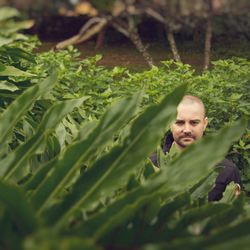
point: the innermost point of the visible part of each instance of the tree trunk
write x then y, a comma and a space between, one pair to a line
208, 39
133, 35
100, 38
135, 38
173, 47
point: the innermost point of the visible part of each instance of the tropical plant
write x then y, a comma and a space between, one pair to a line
223, 89
102, 86
74, 176
92, 196
9, 27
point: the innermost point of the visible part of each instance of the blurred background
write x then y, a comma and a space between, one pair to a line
137, 33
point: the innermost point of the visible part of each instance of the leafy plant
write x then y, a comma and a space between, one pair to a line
9, 27
75, 174
93, 207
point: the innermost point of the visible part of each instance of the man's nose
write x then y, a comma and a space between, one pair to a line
187, 128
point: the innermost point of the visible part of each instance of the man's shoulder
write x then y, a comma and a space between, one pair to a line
226, 163
228, 172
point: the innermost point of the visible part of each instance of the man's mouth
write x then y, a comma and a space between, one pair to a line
187, 138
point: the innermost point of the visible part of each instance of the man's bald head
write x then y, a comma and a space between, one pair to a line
190, 99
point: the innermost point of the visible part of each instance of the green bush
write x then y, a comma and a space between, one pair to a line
62, 205
224, 89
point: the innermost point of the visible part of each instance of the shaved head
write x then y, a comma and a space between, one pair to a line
190, 99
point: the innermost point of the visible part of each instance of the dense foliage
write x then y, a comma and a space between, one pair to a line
74, 142
224, 89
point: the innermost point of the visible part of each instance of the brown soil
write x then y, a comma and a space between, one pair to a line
126, 55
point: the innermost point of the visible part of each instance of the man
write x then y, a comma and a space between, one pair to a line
188, 127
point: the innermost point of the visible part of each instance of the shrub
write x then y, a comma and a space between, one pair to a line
94, 208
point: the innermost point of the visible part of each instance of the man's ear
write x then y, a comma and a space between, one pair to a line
205, 123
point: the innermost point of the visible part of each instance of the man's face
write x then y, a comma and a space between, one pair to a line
189, 125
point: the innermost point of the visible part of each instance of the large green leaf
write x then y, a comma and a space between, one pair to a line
224, 218
33, 183
46, 239
4, 40
113, 170
8, 12
40, 175
17, 54
167, 210
17, 158
238, 229
203, 187
241, 243
195, 215
13, 71
15, 203
11, 27
21, 105
189, 161
229, 233
84, 150
117, 213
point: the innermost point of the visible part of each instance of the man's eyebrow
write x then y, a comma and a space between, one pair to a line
195, 120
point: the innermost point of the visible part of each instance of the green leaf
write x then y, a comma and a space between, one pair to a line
232, 244
8, 12
117, 213
17, 158
171, 207
4, 85
21, 105
17, 53
224, 218
2, 66
15, 202
239, 229
204, 186
12, 71
50, 240
40, 175
113, 170
197, 214
85, 150
229, 193
190, 160
4, 41
11, 28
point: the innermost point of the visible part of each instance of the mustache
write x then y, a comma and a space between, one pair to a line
187, 136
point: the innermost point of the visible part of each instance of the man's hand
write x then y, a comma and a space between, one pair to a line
232, 191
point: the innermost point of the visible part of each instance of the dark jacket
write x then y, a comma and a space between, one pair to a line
229, 172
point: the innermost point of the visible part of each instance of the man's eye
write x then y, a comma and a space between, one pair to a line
179, 123
194, 123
